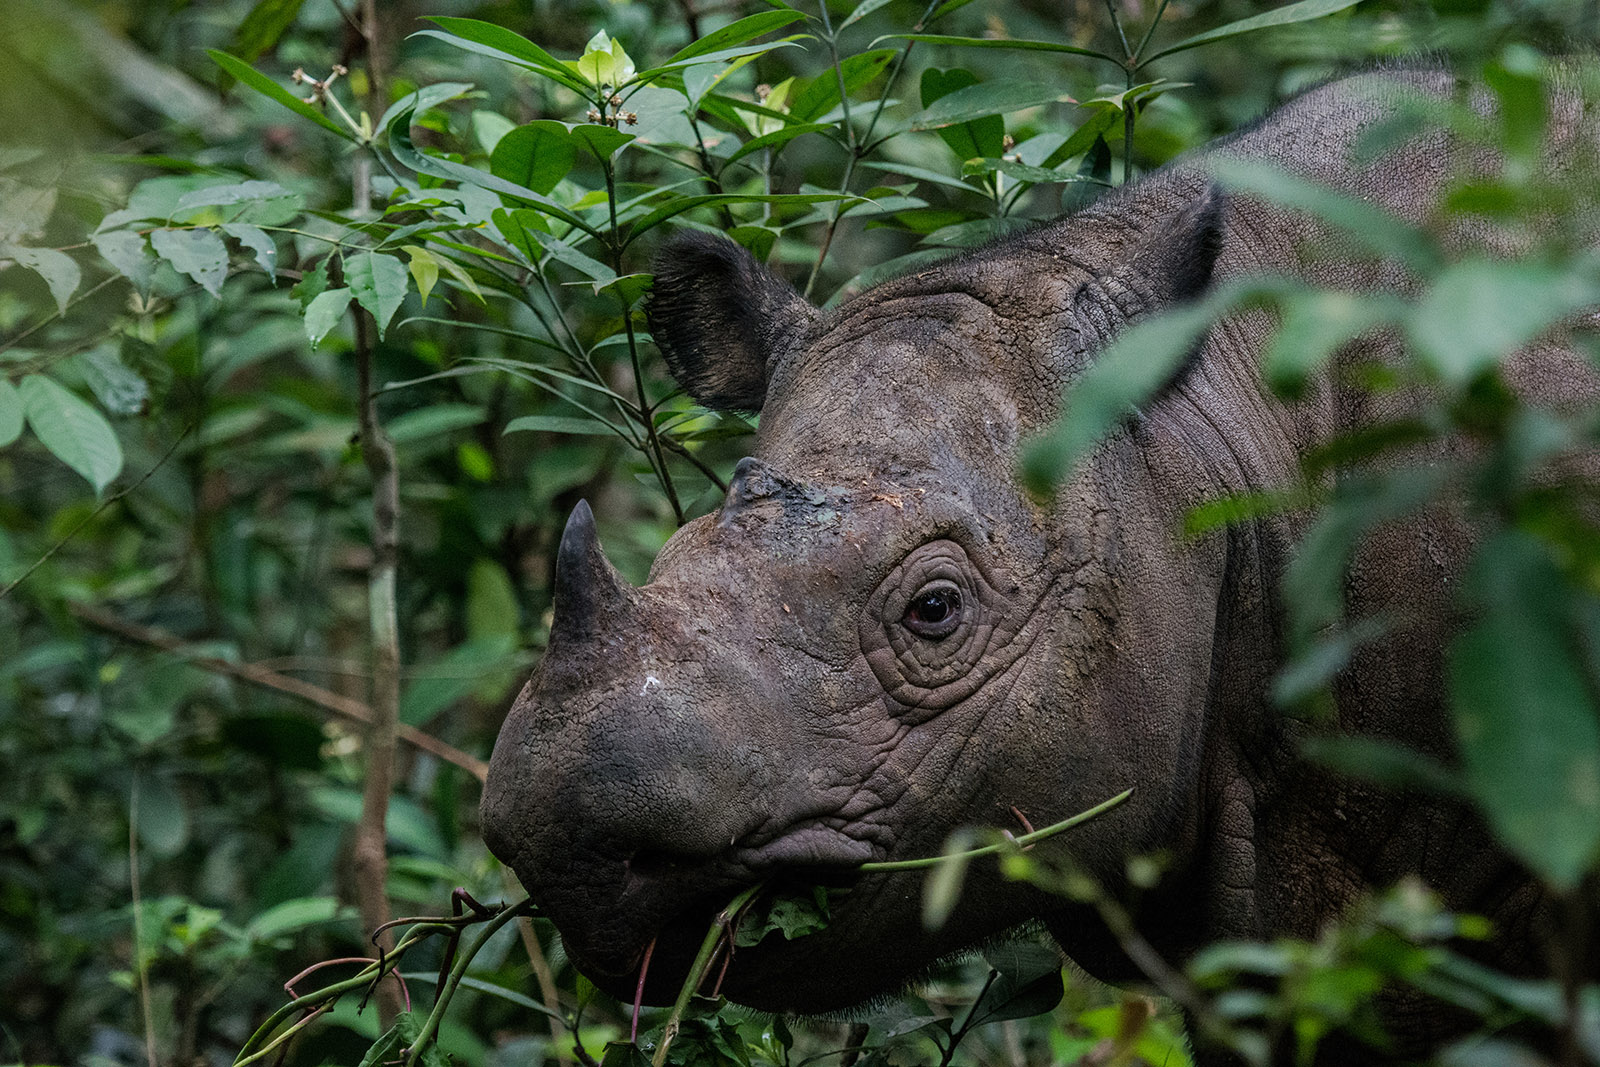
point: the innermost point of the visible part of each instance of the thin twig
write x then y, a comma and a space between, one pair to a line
257, 675
1011, 844
112, 499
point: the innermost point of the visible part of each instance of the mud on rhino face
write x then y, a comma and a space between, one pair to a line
878, 637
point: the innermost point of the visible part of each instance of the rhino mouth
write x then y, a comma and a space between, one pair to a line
662, 906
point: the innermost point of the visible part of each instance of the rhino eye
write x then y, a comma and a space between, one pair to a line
934, 612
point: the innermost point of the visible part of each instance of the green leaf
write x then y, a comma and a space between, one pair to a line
863, 9
424, 267
1362, 221
1030, 984
263, 26
497, 42
989, 98
262, 246
604, 64
379, 284
434, 419
119, 389
200, 254
273, 91
129, 254
11, 416
537, 155
436, 685
737, 33
791, 915
820, 95
1526, 717
986, 42
292, 915
423, 100
1304, 11
603, 141
1479, 311
265, 203
1316, 323
558, 424
74, 432
324, 312
777, 138
979, 137
59, 270
1124, 375
488, 127
408, 156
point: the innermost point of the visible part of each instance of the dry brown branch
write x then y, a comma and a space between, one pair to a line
257, 675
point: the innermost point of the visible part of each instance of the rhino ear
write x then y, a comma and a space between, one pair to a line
722, 320
1170, 260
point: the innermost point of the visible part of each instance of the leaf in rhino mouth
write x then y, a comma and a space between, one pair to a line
796, 913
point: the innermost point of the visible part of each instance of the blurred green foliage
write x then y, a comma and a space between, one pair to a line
181, 276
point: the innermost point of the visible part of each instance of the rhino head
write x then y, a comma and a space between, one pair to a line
879, 636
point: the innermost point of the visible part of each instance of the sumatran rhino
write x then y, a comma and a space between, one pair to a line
880, 636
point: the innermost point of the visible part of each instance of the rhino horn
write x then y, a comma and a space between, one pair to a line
588, 587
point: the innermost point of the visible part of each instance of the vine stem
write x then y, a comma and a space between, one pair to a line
1000, 846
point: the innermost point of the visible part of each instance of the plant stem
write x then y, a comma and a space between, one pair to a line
960, 1032
697, 970
1149, 33
138, 925
371, 843
646, 413
453, 982
1000, 846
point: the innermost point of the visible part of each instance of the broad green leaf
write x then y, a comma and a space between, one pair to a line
260, 244
1034, 988
777, 139
1125, 374
776, 102
292, 915
444, 681
264, 203
537, 155
1303, 11
863, 9
324, 312
1526, 716
629, 287
557, 424
119, 389
1363, 222
273, 91
24, 209
989, 98
979, 137
1315, 324
129, 254
604, 64
603, 141
423, 100
59, 270
74, 432
200, 254
424, 267
378, 282
11, 417
986, 42
461, 277
737, 33
409, 156
432, 420
488, 127
1479, 311
1037, 175
820, 95
920, 173
488, 39
263, 26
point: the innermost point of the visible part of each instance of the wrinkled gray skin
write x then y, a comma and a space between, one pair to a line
762, 707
